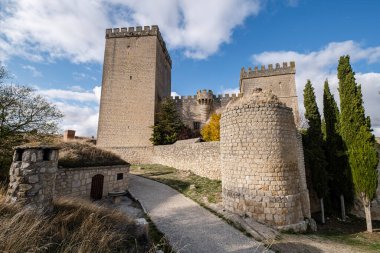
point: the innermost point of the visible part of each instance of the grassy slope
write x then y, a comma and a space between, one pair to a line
73, 226
191, 185
84, 154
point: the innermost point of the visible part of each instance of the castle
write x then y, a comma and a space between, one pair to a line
259, 158
137, 77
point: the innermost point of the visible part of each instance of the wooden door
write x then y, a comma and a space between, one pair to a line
97, 187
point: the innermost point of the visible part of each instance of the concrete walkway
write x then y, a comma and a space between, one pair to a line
188, 226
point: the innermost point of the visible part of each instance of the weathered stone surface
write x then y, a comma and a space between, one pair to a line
259, 153
30, 185
202, 158
33, 179
139, 64
76, 182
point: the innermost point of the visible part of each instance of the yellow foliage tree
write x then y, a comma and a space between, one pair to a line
211, 131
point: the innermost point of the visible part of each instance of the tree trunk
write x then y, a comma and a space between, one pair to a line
342, 207
322, 211
367, 211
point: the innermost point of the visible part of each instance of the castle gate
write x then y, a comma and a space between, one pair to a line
97, 187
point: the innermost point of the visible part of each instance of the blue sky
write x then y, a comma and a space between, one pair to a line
57, 46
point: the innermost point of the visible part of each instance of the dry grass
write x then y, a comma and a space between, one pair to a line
74, 226
84, 154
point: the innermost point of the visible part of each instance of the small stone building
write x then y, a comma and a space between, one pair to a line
91, 182
35, 178
32, 176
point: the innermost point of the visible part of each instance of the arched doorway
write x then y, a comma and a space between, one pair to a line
97, 187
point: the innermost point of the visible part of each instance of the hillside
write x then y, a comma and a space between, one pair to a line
73, 226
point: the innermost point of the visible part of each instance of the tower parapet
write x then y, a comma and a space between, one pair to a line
137, 32
205, 99
270, 71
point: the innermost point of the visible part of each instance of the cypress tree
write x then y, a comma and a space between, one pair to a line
340, 180
168, 125
314, 153
357, 136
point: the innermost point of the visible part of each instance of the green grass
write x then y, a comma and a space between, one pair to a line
191, 185
359, 240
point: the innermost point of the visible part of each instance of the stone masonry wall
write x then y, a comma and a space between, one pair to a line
202, 158
136, 76
190, 109
76, 182
279, 79
260, 174
32, 177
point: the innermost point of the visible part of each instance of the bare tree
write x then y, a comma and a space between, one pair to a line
22, 111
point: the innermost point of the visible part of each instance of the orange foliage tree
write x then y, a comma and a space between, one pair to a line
211, 131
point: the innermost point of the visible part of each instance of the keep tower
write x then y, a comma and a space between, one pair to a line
136, 77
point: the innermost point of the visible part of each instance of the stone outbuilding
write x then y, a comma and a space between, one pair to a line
32, 176
35, 178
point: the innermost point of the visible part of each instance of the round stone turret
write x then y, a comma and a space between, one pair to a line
32, 176
205, 100
260, 176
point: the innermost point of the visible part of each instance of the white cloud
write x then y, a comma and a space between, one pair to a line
81, 118
80, 108
82, 96
40, 29
35, 72
231, 91
322, 64
174, 94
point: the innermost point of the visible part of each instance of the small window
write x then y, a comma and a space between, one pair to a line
196, 125
120, 176
19, 153
47, 154
130, 77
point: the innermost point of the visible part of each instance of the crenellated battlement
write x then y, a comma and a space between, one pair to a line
139, 31
195, 98
269, 71
205, 97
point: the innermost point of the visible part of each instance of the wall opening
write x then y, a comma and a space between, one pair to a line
119, 176
97, 187
47, 155
19, 153
196, 125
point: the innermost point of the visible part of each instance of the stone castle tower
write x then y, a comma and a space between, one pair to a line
280, 80
136, 77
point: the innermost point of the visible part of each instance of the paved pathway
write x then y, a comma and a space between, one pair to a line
188, 226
